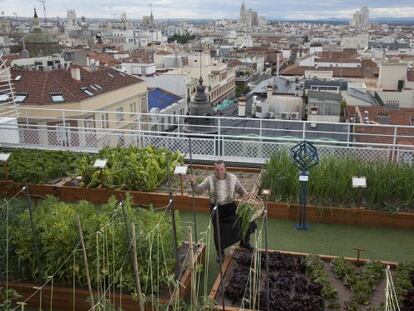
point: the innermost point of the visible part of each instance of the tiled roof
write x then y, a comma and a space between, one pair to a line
39, 85
368, 70
159, 98
104, 59
162, 52
234, 63
383, 134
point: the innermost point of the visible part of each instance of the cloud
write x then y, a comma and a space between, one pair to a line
292, 9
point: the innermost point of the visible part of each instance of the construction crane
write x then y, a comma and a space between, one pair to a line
44, 8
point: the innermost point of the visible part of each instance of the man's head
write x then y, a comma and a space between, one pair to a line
220, 169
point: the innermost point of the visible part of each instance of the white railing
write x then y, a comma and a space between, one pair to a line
247, 140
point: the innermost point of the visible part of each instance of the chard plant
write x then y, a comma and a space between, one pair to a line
129, 168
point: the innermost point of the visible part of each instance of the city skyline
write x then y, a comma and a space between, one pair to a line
212, 9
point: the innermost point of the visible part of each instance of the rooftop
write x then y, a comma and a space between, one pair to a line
363, 96
39, 86
161, 99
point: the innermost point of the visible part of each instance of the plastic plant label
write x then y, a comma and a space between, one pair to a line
181, 170
4, 157
359, 182
100, 163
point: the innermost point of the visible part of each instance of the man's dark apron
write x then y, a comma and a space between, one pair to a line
229, 226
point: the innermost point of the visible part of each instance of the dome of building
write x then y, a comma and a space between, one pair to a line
40, 43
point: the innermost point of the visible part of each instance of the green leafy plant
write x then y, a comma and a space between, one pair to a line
317, 273
330, 183
129, 168
107, 249
7, 297
361, 282
404, 279
40, 166
245, 212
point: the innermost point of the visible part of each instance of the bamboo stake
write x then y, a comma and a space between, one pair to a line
192, 191
33, 228
85, 260
193, 271
135, 265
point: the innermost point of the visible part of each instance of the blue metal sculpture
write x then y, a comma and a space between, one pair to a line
305, 156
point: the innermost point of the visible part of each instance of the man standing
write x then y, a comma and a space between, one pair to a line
222, 188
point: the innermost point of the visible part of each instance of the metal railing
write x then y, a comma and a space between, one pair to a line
247, 140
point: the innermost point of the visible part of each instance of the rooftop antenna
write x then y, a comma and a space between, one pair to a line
44, 8
151, 16
201, 50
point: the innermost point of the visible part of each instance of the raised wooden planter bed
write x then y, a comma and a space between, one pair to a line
229, 264
63, 300
348, 216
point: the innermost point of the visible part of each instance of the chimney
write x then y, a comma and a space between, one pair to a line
269, 92
277, 64
75, 73
242, 106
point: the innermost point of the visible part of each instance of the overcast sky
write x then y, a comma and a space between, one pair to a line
287, 9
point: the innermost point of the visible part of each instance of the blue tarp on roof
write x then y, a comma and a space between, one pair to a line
159, 98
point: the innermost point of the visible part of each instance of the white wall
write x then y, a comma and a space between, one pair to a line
403, 99
173, 83
315, 49
285, 103
389, 74
194, 60
308, 61
338, 64
138, 69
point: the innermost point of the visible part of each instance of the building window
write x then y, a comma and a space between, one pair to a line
4, 97
86, 91
104, 120
120, 114
57, 97
20, 97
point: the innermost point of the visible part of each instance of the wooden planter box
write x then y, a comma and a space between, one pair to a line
348, 216
63, 300
215, 293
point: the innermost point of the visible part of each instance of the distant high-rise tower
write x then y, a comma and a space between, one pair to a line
248, 17
243, 14
71, 20
364, 16
360, 18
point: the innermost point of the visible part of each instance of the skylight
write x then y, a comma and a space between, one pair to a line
122, 74
57, 97
98, 86
110, 74
19, 98
87, 92
93, 87
17, 78
4, 97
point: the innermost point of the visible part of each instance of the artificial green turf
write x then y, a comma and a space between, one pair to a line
325, 239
